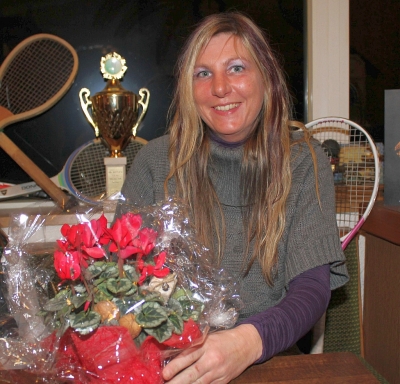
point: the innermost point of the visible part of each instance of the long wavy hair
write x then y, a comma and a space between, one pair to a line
265, 173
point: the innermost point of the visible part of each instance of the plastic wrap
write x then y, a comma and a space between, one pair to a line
108, 301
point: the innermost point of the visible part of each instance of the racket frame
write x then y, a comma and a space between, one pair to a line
315, 125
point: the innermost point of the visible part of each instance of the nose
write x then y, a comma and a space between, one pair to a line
220, 85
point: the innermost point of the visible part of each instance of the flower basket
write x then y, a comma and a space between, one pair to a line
109, 300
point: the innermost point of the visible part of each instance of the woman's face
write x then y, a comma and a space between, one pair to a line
228, 87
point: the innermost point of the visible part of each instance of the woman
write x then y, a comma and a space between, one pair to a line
249, 181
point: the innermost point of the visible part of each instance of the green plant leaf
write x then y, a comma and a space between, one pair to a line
119, 285
59, 301
101, 293
78, 300
151, 315
191, 309
126, 303
86, 322
80, 288
131, 273
111, 270
132, 291
177, 322
95, 270
175, 306
161, 333
151, 296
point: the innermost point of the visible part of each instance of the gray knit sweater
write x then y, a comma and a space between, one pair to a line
310, 238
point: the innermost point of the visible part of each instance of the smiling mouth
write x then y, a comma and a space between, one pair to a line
226, 107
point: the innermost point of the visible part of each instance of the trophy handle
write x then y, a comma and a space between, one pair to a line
144, 102
85, 103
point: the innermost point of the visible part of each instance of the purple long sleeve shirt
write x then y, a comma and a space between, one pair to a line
283, 325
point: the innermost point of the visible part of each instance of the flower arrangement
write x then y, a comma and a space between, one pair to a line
129, 294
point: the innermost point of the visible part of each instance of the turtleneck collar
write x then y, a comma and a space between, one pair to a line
214, 137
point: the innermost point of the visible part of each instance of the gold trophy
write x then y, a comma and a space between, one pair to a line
115, 117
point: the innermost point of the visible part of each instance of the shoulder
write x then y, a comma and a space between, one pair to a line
155, 149
303, 153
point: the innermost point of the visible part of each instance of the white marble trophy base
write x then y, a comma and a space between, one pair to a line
115, 174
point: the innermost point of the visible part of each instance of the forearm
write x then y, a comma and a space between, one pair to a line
283, 325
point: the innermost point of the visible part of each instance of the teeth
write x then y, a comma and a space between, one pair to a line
226, 107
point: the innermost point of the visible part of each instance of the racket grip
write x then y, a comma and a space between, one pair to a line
62, 200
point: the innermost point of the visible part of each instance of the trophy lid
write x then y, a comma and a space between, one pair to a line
113, 67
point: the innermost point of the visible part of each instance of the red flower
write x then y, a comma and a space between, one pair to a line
128, 239
67, 265
85, 237
153, 270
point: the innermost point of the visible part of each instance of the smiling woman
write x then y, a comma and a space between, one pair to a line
228, 88
260, 195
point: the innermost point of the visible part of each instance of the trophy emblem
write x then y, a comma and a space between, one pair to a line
115, 117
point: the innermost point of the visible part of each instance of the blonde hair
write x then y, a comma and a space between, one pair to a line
266, 174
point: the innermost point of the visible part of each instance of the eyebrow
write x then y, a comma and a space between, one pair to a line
225, 62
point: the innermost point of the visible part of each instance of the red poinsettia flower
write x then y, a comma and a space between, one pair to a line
157, 270
67, 265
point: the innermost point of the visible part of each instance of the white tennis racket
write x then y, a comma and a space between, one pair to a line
355, 165
84, 173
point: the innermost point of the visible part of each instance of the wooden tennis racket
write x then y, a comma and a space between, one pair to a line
355, 165
84, 173
35, 75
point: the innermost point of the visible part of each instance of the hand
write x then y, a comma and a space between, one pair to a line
223, 356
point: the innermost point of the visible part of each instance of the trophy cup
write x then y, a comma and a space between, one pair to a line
115, 117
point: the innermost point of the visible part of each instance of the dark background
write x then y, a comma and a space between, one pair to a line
149, 34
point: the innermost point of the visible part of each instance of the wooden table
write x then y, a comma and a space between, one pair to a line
326, 368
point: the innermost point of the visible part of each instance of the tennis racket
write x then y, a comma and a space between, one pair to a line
84, 173
35, 75
355, 165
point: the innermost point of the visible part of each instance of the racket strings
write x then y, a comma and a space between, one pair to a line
353, 167
87, 173
35, 75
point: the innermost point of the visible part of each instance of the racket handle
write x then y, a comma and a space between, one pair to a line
60, 198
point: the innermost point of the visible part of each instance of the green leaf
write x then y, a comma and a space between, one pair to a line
86, 322
95, 270
151, 296
78, 300
126, 303
101, 293
110, 271
161, 333
181, 293
80, 288
140, 339
131, 273
65, 311
119, 285
177, 322
151, 315
59, 301
191, 309
132, 291
175, 306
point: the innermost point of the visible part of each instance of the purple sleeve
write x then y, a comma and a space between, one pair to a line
283, 325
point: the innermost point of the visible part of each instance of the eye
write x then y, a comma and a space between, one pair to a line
237, 68
202, 73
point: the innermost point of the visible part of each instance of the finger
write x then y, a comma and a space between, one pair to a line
180, 362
